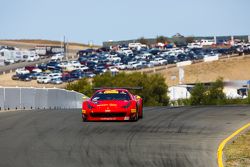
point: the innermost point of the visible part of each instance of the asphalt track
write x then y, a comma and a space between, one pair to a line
168, 137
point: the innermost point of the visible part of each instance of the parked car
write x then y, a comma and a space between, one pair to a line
120, 66
36, 70
43, 79
34, 75
31, 58
89, 74
43, 67
77, 74
172, 60
25, 77
57, 57
56, 81
53, 65
15, 77
30, 68
100, 70
66, 77
21, 71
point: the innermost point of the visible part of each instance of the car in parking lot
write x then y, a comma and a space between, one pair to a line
92, 62
25, 77
53, 65
89, 74
22, 71
172, 59
77, 74
43, 79
42, 66
34, 75
56, 80
66, 77
15, 77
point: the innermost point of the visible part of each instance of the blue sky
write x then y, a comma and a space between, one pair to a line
101, 20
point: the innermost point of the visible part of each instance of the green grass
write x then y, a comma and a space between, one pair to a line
237, 153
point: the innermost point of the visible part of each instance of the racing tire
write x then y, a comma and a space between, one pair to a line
84, 119
136, 116
141, 116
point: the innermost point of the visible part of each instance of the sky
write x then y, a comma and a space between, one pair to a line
96, 21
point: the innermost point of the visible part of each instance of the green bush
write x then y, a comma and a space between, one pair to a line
215, 93
154, 87
212, 95
82, 86
198, 95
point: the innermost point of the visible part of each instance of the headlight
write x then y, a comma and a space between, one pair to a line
90, 106
83, 111
133, 111
127, 106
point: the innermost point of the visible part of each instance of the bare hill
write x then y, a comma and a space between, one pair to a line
31, 43
237, 68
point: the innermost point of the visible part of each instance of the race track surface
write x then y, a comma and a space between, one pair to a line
167, 137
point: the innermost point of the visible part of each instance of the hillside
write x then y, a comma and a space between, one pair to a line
31, 43
237, 68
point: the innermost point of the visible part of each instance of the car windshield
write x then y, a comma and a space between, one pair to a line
111, 95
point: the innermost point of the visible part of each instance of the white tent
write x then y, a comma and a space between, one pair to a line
178, 92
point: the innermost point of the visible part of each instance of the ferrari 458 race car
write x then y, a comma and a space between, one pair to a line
112, 104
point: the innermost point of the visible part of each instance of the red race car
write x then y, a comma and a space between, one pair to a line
112, 104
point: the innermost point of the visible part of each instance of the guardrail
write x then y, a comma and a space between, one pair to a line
211, 58
13, 98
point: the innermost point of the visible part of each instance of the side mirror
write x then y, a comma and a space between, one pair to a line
138, 97
84, 97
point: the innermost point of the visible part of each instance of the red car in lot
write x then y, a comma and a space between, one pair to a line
112, 104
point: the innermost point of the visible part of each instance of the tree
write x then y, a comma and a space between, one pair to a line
82, 86
190, 39
216, 94
142, 40
154, 87
198, 95
161, 39
201, 95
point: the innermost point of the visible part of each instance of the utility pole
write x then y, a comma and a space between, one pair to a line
65, 48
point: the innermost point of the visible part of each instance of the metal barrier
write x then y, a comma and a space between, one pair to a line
38, 98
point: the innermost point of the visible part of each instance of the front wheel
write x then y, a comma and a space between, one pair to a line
84, 119
141, 116
141, 112
136, 117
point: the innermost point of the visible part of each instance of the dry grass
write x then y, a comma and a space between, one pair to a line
238, 152
44, 42
27, 44
237, 68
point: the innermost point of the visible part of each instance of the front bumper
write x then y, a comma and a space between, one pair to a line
109, 116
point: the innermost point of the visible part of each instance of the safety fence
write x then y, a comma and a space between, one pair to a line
13, 98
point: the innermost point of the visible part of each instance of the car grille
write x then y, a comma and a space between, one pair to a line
108, 114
